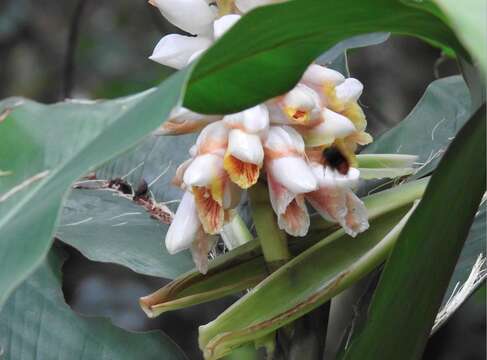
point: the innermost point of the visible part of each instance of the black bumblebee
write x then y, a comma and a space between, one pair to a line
336, 160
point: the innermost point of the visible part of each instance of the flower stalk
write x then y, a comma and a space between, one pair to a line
272, 239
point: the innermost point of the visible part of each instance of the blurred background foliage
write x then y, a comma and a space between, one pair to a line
39, 59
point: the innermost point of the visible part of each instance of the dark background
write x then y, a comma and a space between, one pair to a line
40, 60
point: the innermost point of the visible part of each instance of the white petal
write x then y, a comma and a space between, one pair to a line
302, 97
349, 91
184, 227
294, 174
279, 196
284, 138
193, 16
175, 50
203, 170
245, 147
318, 75
223, 24
247, 5
332, 178
213, 138
357, 218
253, 120
336, 125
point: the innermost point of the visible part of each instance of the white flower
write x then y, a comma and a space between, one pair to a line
184, 227
176, 50
331, 127
193, 16
335, 200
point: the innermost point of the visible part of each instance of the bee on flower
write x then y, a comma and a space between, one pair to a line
302, 144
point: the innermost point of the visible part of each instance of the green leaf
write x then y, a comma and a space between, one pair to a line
301, 285
45, 148
352, 43
377, 166
245, 266
432, 124
106, 227
276, 44
36, 323
469, 22
412, 286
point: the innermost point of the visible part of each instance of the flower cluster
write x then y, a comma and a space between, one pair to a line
303, 142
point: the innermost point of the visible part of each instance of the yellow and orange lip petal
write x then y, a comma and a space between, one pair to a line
210, 212
241, 173
296, 115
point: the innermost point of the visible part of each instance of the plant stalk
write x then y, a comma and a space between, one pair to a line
272, 239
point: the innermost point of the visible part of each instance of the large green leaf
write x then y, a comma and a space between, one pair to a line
277, 42
304, 283
412, 286
36, 323
426, 132
107, 227
469, 22
430, 126
47, 147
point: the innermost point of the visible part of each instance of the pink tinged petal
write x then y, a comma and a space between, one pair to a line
357, 219
245, 147
213, 139
330, 202
175, 50
253, 120
184, 227
349, 91
223, 24
293, 173
317, 76
295, 221
193, 16
177, 180
283, 139
292, 215
203, 170
183, 121
279, 196
200, 248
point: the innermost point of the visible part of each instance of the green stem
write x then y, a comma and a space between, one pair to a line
272, 239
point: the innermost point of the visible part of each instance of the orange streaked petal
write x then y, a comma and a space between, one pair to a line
241, 173
210, 211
